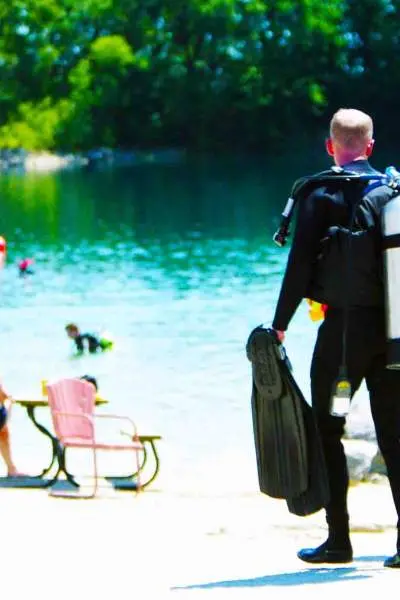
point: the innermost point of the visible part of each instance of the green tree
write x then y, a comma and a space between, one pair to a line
199, 73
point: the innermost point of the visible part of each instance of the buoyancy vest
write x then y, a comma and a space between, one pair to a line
305, 185
348, 271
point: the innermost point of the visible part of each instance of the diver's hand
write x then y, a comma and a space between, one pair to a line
280, 335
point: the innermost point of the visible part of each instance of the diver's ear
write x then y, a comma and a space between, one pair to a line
329, 147
370, 147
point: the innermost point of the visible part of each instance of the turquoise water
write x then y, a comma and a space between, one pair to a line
177, 263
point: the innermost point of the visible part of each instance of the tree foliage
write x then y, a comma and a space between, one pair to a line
197, 73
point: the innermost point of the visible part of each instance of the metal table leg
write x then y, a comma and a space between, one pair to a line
157, 465
54, 442
58, 452
127, 482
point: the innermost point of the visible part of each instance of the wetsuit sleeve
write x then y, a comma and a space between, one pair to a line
310, 229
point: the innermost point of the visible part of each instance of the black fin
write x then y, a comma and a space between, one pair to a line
279, 432
290, 460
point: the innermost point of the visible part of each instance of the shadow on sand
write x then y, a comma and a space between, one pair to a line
313, 575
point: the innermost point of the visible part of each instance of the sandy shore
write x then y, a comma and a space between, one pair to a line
164, 544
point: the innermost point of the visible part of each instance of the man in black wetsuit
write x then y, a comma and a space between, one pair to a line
350, 144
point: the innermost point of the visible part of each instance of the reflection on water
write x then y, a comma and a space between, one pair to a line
178, 264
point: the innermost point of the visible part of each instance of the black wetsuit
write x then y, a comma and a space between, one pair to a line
87, 339
366, 343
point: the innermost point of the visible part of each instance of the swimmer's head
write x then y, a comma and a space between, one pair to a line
25, 263
72, 330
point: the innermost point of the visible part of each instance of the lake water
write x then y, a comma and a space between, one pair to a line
177, 263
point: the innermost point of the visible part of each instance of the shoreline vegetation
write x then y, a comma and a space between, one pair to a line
209, 76
22, 160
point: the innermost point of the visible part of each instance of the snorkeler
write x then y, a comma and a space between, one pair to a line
87, 340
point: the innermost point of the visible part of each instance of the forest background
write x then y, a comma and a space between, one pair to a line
205, 75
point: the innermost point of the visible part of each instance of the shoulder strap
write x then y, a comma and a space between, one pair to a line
307, 184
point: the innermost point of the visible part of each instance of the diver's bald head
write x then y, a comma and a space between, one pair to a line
351, 130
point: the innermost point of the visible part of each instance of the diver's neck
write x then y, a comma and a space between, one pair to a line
346, 158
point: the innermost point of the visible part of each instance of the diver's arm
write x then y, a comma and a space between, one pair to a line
310, 228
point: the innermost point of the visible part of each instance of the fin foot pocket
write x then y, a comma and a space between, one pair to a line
261, 350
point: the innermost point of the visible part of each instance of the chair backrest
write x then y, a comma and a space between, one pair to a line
71, 396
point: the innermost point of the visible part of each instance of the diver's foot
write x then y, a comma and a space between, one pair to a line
326, 554
393, 561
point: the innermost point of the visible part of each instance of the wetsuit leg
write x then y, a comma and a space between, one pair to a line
384, 389
324, 371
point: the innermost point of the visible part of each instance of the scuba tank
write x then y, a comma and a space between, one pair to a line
390, 222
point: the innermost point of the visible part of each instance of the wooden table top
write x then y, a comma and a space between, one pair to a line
43, 402
27, 402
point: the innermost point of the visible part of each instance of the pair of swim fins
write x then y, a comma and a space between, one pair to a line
290, 460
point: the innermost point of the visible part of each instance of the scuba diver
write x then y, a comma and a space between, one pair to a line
336, 259
87, 341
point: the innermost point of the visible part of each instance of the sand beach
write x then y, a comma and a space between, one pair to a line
185, 544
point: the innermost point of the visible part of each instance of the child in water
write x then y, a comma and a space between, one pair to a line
87, 340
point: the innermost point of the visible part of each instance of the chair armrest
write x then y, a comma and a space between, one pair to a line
121, 418
83, 417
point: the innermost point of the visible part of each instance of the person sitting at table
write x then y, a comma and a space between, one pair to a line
5, 445
90, 379
87, 340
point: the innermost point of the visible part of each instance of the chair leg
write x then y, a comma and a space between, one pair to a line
95, 473
138, 484
62, 494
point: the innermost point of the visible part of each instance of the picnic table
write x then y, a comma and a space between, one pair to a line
58, 462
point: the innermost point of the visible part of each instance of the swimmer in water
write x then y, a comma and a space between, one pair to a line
87, 341
24, 267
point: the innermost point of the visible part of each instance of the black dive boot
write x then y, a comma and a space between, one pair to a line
327, 553
394, 561
336, 549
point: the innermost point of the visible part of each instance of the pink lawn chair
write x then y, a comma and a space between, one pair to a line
72, 403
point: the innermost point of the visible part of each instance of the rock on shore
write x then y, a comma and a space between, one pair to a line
18, 158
